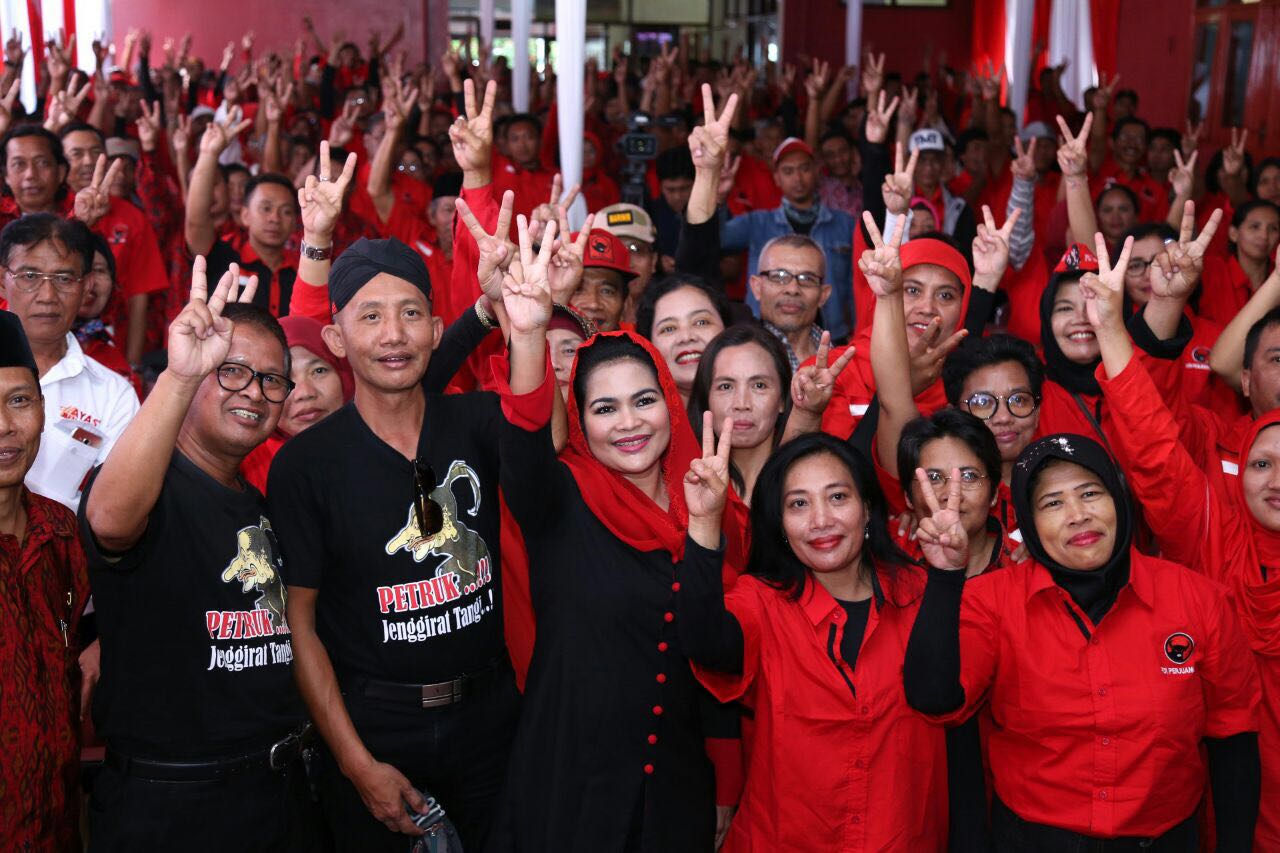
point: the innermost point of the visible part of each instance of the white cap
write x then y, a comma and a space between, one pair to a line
927, 139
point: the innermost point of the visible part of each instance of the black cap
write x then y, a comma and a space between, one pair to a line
367, 258
14, 349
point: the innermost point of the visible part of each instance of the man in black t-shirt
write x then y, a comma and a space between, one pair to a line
197, 702
388, 515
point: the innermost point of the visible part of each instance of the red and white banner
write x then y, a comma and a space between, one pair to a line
37, 21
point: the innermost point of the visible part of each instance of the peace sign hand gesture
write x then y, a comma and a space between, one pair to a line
1104, 291
218, 135
495, 250
1176, 270
898, 186
1233, 154
148, 125
812, 386
526, 288
566, 263
1073, 155
1024, 161
200, 337
709, 141
882, 264
472, 134
878, 120
93, 202
706, 485
320, 199
991, 249
942, 538
1183, 174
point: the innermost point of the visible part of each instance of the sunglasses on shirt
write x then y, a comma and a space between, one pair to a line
429, 514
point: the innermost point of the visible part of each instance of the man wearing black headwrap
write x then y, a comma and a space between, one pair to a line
1105, 670
388, 514
43, 587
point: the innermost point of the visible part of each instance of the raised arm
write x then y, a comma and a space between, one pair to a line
1073, 159
200, 235
811, 388
1175, 272
1182, 177
814, 85
396, 108
1227, 357
890, 361
709, 145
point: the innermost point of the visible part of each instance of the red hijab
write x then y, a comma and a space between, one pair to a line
305, 332
629, 513
1258, 600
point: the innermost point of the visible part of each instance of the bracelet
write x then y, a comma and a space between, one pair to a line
315, 253
483, 317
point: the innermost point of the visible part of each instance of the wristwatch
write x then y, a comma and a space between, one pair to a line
316, 253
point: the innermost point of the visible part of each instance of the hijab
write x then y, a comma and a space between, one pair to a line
1076, 378
1094, 590
629, 513
1258, 600
301, 331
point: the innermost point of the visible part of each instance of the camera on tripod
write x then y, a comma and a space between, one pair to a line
638, 145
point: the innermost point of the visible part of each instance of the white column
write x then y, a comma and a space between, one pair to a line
1071, 37
853, 41
15, 17
486, 21
571, 32
1018, 17
521, 18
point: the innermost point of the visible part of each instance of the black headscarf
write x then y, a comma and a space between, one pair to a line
1076, 378
365, 259
15, 351
1094, 590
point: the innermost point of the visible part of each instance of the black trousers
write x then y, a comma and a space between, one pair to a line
257, 811
458, 753
1012, 833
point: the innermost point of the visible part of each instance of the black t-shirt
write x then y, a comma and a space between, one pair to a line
391, 605
223, 255
854, 627
196, 651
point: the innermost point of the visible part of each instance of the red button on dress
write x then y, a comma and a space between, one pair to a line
662, 647
657, 710
669, 616
662, 678
648, 769
653, 739
675, 587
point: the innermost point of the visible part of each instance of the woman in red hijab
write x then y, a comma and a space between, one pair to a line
610, 751
322, 384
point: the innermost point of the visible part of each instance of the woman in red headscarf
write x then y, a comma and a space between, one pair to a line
610, 751
322, 383
1227, 531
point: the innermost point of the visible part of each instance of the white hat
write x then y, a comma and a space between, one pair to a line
927, 139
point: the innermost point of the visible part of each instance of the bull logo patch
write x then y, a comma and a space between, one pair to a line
1179, 647
1201, 355
599, 247
461, 546
256, 566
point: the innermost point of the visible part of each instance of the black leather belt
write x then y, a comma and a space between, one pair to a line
435, 695
1039, 836
274, 758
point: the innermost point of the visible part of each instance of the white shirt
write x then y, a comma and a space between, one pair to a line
86, 408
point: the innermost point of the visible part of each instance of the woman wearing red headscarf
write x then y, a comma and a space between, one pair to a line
1227, 531
610, 752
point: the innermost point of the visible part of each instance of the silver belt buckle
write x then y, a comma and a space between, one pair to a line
444, 693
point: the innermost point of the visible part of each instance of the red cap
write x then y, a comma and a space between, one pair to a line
607, 251
791, 145
1078, 258
925, 250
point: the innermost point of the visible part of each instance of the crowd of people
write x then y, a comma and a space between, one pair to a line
896, 477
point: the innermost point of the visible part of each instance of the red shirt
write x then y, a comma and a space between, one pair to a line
1224, 288
836, 758
1151, 195
140, 268
532, 188
1101, 735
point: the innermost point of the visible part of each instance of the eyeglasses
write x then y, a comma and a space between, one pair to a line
638, 247
1138, 266
970, 479
429, 514
782, 278
237, 377
29, 280
407, 167
1021, 404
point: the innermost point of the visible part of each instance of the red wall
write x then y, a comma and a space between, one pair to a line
1154, 57
816, 28
277, 25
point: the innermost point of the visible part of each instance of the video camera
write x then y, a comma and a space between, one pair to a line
638, 145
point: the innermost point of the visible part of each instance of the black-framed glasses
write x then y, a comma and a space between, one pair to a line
237, 377
29, 280
1138, 266
430, 515
970, 478
782, 278
1021, 404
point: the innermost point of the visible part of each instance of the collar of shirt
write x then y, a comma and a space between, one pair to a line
248, 255
43, 523
824, 214
815, 335
1139, 581
70, 365
818, 604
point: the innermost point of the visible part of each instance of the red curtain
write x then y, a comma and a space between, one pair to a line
1040, 39
1104, 18
988, 34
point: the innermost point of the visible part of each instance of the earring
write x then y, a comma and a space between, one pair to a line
866, 534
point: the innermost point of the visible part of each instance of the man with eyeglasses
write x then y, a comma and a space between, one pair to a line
197, 703
791, 289
44, 259
633, 226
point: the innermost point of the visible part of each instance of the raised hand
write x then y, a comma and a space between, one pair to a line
181, 135
200, 337
495, 250
219, 134
929, 352
1103, 291
398, 103
728, 176
1183, 174
101, 51
908, 109
66, 104
276, 98
320, 199
898, 185
14, 52
942, 538
991, 247
1023, 165
989, 82
1233, 154
812, 385
1191, 138
878, 117
58, 57
1102, 94
7, 103
872, 75
882, 264
526, 289
472, 134
148, 125
706, 485
709, 141
344, 126
566, 263
1175, 272
93, 202
1073, 151
816, 83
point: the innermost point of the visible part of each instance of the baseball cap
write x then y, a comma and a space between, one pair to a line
791, 145
927, 139
120, 147
1078, 258
201, 112
1036, 130
606, 251
627, 221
